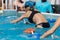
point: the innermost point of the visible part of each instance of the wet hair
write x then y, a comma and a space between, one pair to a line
27, 6
31, 8
43, 0
21, 1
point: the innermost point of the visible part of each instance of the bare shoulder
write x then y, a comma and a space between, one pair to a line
27, 14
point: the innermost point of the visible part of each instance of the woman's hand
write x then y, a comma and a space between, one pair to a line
41, 37
14, 21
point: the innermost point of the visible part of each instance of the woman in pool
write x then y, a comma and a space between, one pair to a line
19, 4
33, 16
57, 24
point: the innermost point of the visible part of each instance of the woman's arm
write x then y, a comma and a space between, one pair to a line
20, 18
57, 23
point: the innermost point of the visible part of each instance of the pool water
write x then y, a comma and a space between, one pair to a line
9, 31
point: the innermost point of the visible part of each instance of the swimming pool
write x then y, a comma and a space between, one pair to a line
9, 31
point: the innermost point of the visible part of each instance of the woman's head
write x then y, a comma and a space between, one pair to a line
29, 5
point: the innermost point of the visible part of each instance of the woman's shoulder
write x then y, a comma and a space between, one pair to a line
29, 12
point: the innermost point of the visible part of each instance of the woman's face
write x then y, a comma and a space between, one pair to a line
27, 9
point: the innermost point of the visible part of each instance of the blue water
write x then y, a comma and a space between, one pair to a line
9, 31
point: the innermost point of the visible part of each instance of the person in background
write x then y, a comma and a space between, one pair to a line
19, 4
4, 4
56, 25
0, 4
44, 6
